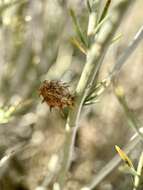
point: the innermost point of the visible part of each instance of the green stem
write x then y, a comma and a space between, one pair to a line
132, 121
137, 179
85, 83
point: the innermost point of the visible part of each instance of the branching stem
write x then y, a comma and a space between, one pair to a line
88, 75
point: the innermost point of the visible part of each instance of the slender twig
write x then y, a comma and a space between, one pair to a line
53, 167
4, 161
127, 52
94, 56
109, 167
5, 6
137, 179
132, 120
124, 56
120, 62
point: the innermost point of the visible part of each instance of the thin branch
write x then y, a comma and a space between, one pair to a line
108, 168
124, 56
94, 56
132, 120
4, 161
5, 6
137, 179
127, 52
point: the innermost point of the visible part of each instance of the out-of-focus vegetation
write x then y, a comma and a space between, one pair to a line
41, 40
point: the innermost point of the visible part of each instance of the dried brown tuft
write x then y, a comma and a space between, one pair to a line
56, 94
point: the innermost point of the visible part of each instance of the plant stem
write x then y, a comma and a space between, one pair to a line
128, 52
123, 58
132, 120
88, 75
137, 179
109, 167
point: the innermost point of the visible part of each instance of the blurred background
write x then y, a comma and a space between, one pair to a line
34, 46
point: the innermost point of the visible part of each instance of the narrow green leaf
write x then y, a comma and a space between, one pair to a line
99, 25
79, 32
91, 103
89, 6
105, 10
116, 38
97, 90
80, 46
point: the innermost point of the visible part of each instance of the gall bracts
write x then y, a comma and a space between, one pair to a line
56, 94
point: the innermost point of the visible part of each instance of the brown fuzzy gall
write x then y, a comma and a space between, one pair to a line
56, 94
